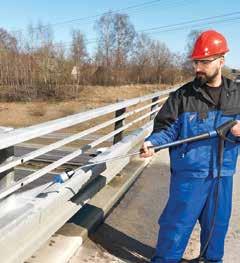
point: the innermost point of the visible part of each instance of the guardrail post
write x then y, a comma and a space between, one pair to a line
118, 124
153, 107
7, 177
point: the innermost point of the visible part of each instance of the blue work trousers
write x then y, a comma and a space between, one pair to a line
191, 199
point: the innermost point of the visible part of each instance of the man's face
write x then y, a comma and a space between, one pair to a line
208, 69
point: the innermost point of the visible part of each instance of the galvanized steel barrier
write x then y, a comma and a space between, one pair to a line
30, 216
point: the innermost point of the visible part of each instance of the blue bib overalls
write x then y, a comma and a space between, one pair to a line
194, 168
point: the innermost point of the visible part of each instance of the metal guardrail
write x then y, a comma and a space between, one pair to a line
28, 218
25, 134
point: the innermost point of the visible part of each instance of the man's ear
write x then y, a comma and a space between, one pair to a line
222, 61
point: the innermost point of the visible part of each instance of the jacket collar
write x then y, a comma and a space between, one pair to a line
228, 86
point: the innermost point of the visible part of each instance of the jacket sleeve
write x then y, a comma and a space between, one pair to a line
166, 124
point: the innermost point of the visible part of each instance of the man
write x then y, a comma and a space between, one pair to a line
198, 107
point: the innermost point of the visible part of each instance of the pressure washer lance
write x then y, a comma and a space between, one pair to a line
68, 173
220, 131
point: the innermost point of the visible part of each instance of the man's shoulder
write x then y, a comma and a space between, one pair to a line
228, 80
232, 84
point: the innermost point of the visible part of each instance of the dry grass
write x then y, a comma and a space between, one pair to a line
37, 110
19, 114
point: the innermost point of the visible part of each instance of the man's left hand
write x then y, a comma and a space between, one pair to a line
236, 129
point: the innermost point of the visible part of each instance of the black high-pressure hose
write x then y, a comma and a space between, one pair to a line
222, 132
216, 196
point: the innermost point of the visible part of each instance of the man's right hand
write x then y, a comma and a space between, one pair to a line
145, 151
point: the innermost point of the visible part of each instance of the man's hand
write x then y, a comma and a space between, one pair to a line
236, 129
145, 151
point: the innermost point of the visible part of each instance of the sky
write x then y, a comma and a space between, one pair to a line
64, 16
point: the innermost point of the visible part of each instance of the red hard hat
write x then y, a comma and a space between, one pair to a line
209, 43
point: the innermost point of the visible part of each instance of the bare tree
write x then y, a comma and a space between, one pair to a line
141, 57
78, 49
161, 61
124, 34
7, 41
78, 55
115, 41
103, 58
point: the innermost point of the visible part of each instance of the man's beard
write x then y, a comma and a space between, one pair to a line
202, 78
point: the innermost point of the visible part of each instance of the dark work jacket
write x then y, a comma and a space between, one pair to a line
190, 111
